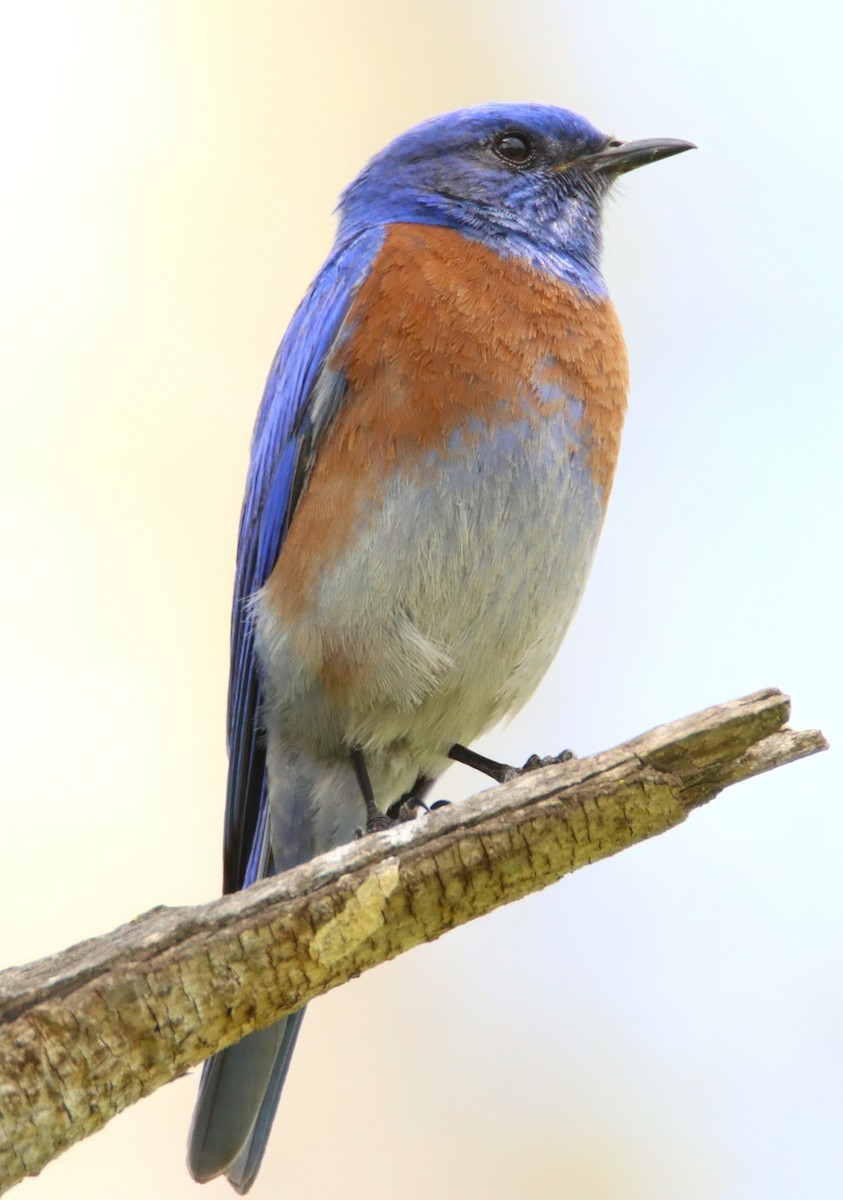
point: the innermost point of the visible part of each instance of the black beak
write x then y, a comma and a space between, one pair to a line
619, 157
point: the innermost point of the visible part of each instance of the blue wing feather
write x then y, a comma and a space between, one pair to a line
241, 1086
277, 472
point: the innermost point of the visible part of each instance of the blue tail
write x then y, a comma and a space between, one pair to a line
238, 1096
240, 1087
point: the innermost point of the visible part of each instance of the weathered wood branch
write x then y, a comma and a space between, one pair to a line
87, 1032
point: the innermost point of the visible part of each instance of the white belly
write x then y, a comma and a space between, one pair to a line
445, 612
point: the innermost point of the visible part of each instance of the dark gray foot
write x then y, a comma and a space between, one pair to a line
535, 761
376, 821
501, 772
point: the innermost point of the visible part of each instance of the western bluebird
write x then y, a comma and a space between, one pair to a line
429, 475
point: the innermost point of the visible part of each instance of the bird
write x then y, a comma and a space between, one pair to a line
429, 474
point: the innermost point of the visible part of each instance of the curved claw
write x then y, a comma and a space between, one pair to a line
536, 761
408, 809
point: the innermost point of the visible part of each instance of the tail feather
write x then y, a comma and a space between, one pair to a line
238, 1096
243, 1171
314, 807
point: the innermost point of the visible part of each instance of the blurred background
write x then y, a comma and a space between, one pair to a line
662, 1026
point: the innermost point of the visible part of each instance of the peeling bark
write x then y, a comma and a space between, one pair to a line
89, 1031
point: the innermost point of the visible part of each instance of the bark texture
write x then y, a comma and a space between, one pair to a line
89, 1031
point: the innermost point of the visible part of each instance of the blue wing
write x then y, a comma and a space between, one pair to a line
300, 398
240, 1087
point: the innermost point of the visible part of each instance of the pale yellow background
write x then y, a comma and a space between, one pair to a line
665, 1026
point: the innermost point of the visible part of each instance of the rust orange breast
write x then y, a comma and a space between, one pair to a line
445, 335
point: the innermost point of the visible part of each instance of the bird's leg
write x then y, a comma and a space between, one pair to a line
501, 772
376, 821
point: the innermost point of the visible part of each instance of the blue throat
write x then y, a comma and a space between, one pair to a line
567, 246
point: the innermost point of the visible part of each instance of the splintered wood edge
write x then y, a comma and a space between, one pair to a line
88, 1031
703, 753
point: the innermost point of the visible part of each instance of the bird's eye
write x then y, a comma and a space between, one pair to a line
514, 148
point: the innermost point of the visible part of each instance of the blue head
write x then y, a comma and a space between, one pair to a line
526, 178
